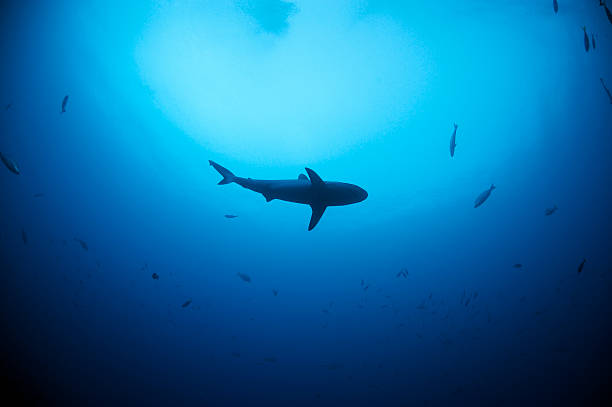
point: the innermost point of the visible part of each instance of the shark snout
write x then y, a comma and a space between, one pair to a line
361, 194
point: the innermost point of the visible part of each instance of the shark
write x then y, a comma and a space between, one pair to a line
309, 190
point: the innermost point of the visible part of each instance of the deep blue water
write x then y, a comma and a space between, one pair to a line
364, 92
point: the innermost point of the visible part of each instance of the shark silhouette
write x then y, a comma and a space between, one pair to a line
315, 192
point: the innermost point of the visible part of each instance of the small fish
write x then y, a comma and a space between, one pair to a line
24, 237
10, 164
581, 266
593, 40
518, 266
39, 195
186, 303
8, 106
82, 243
244, 277
64, 103
231, 216
608, 13
452, 141
555, 6
606, 89
275, 292
362, 283
333, 366
366, 287
550, 211
155, 276
483, 196
586, 39
467, 302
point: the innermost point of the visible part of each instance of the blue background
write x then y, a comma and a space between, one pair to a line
361, 91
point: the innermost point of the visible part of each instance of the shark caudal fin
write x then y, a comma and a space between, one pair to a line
228, 176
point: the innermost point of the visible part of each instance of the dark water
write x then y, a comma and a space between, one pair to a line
123, 281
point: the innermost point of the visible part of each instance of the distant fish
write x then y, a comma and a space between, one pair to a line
518, 266
593, 40
244, 277
275, 292
231, 216
402, 273
82, 243
8, 106
186, 303
39, 195
483, 196
555, 6
10, 164
362, 283
606, 89
581, 266
366, 287
608, 13
155, 276
586, 39
64, 103
24, 237
452, 141
550, 211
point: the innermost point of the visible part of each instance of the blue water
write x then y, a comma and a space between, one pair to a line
364, 92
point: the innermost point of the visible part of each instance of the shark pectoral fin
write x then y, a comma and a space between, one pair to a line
314, 178
268, 197
302, 177
317, 212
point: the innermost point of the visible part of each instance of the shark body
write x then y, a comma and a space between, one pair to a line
311, 191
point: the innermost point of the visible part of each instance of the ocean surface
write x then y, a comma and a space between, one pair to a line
123, 282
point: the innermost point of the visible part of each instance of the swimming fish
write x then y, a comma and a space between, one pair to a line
275, 292
8, 106
186, 303
608, 13
483, 196
244, 277
606, 89
586, 39
64, 103
24, 237
39, 195
82, 243
10, 164
316, 193
593, 40
452, 141
581, 266
231, 216
155, 276
518, 266
555, 6
550, 211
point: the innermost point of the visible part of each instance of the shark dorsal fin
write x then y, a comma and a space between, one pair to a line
314, 178
317, 212
302, 177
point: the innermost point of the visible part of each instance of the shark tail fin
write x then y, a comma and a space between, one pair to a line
228, 176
